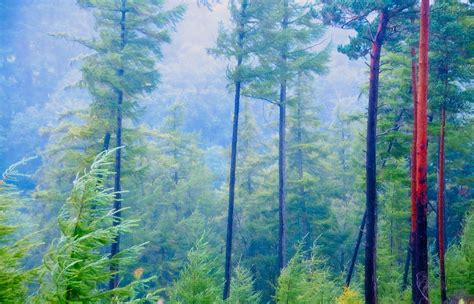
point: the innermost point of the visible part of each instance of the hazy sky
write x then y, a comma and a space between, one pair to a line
46, 66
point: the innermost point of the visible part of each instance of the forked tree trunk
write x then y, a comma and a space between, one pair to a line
115, 248
282, 156
233, 164
371, 184
441, 208
420, 266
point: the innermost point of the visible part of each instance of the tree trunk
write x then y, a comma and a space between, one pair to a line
282, 156
371, 190
281, 179
115, 248
414, 88
106, 145
230, 212
233, 164
362, 227
441, 246
299, 163
356, 250
420, 286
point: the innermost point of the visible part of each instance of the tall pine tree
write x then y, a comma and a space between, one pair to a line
121, 67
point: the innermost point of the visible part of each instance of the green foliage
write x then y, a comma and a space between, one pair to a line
359, 16
121, 66
242, 290
122, 63
173, 196
76, 268
242, 42
391, 251
310, 216
199, 281
450, 56
450, 88
130, 37
13, 275
288, 51
460, 262
305, 280
168, 170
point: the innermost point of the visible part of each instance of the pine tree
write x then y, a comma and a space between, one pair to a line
448, 95
199, 280
294, 34
395, 120
175, 196
310, 216
344, 174
371, 36
305, 281
121, 67
76, 267
255, 214
242, 290
239, 44
460, 261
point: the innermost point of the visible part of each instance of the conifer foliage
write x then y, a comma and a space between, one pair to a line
13, 277
312, 169
122, 67
305, 280
76, 267
240, 44
199, 280
371, 36
292, 45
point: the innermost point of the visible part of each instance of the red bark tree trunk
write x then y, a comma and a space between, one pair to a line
420, 285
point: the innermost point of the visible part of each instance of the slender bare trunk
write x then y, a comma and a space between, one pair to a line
282, 156
115, 248
233, 165
371, 172
356, 250
362, 227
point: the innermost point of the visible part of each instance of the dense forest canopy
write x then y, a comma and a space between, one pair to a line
236, 151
